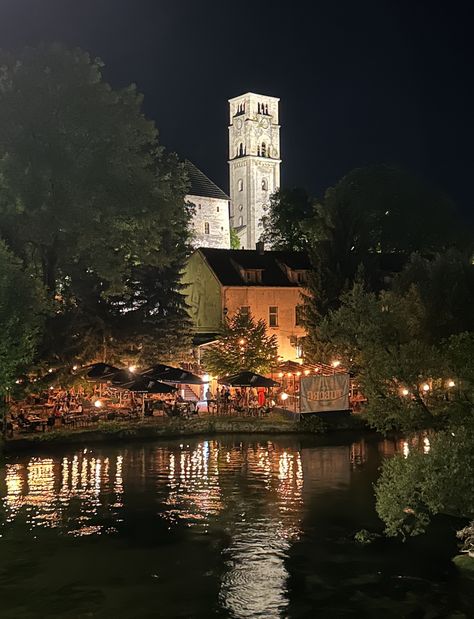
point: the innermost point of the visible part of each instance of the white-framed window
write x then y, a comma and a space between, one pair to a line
207, 227
273, 316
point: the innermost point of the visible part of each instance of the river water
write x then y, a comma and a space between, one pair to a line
239, 527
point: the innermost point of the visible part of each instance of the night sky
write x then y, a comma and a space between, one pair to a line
374, 81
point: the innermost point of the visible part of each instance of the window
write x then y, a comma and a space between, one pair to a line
273, 316
207, 228
241, 221
217, 209
299, 315
199, 207
301, 277
245, 311
263, 150
240, 185
264, 184
241, 207
254, 276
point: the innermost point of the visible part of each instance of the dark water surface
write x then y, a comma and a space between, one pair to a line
238, 527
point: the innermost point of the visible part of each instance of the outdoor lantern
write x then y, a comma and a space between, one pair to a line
98, 404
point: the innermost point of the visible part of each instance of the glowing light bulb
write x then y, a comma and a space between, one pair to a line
405, 392
98, 404
206, 378
307, 372
451, 384
426, 388
132, 368
336, 364
284, 397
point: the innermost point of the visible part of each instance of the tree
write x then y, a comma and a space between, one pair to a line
243, 345
287, 222
413, 488
90, 202
22, 312
234, 239
370, 222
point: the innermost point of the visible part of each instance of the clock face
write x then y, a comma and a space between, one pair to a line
238, 123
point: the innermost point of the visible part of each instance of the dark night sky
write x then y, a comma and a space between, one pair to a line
361, 82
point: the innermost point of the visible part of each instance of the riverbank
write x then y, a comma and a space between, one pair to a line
149, 429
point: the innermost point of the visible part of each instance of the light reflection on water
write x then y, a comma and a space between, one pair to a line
254, 495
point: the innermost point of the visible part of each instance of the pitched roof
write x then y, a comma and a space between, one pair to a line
201, 185
227, 265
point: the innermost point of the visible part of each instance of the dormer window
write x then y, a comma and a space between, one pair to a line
253, 276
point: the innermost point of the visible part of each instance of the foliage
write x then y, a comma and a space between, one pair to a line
286, 223
412, 489
22, 311
91, 203
466, 535
234, 239
365, 229
243, 345
365, 537
313, 424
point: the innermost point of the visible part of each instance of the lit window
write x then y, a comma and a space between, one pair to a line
299, 315
207, 228
273, 316
241, 185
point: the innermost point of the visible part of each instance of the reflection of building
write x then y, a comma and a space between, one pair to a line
268, 284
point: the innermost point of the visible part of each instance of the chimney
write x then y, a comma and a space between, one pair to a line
260, 247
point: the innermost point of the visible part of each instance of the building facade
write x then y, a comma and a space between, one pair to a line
254, 162
211, 211
268, 284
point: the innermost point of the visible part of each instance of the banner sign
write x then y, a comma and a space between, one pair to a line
324, 393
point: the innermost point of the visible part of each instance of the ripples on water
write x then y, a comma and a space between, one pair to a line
252, 500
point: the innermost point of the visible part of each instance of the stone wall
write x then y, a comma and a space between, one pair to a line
215, 213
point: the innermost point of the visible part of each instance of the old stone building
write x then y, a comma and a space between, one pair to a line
210, 222
254, 160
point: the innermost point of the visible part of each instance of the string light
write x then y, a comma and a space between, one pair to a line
451, 384
405, 392
98, 404
426, 387
132, 369
307, 372
284, 397
336, 364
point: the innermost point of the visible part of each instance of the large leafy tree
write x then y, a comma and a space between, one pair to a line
22, 313
288, 220
414, 488
243, 345
90, 202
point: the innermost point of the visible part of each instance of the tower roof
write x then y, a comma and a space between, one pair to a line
201, 185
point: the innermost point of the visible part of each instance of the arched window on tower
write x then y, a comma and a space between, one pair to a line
263, 150
241, 150
240, 185
264, 184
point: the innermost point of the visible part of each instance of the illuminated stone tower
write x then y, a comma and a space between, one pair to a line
254, 160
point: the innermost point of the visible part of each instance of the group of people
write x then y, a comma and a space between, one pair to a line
227, 401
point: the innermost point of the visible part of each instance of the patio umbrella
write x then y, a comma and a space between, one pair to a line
101, 372
248, 379
147, 385
170, 374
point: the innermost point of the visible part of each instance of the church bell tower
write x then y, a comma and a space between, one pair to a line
254, 160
